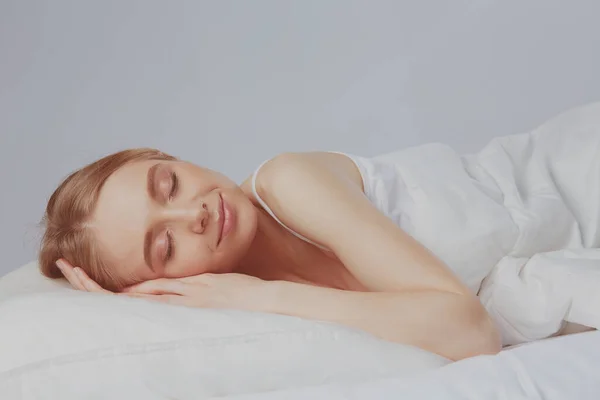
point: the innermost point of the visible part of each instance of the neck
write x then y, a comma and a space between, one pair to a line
269, 255
275, 254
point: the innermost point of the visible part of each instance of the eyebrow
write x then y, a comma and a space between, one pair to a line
149, 236
150, 181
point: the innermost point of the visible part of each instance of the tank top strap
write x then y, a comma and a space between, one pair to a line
272, 214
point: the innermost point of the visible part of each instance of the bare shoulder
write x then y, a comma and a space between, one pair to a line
281, 166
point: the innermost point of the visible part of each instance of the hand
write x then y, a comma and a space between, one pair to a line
79, 279
236, 291
207, 290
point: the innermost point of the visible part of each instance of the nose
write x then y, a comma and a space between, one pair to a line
193, 217
200, 220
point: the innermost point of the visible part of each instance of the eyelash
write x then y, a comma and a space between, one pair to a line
170, 246
174, 185
172, 193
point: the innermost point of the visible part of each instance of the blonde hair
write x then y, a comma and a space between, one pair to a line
67, 233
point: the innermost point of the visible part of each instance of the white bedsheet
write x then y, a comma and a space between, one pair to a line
563, 368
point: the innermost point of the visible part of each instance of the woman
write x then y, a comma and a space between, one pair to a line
325, 236
193, 237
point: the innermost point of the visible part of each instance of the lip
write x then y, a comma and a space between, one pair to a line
228, 218
221, 219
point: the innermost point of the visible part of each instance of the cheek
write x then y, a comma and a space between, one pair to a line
204, 178
193, 257
222, 180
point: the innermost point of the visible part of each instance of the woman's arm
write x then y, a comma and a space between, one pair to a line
319, 199
444, 323
419, 300
451, 325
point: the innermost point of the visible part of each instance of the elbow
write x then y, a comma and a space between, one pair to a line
483, 335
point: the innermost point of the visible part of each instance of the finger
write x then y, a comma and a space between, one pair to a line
67, 270
88, 283
159, 286
163, 298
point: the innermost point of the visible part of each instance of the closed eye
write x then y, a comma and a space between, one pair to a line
170, 247
174, 185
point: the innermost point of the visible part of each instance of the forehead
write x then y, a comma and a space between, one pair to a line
119, 219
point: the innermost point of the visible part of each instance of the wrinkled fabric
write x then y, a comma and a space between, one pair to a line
517, 221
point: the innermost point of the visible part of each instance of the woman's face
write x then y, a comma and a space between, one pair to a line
171, 219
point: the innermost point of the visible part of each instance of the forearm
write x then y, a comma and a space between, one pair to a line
454, 326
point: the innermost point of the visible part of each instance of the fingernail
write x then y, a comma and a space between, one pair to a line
59, 265
77, 270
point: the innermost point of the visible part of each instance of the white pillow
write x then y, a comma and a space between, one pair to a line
56, 342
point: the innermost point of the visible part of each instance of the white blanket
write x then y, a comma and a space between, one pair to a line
502, 218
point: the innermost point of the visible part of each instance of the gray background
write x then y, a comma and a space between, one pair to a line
229, 83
